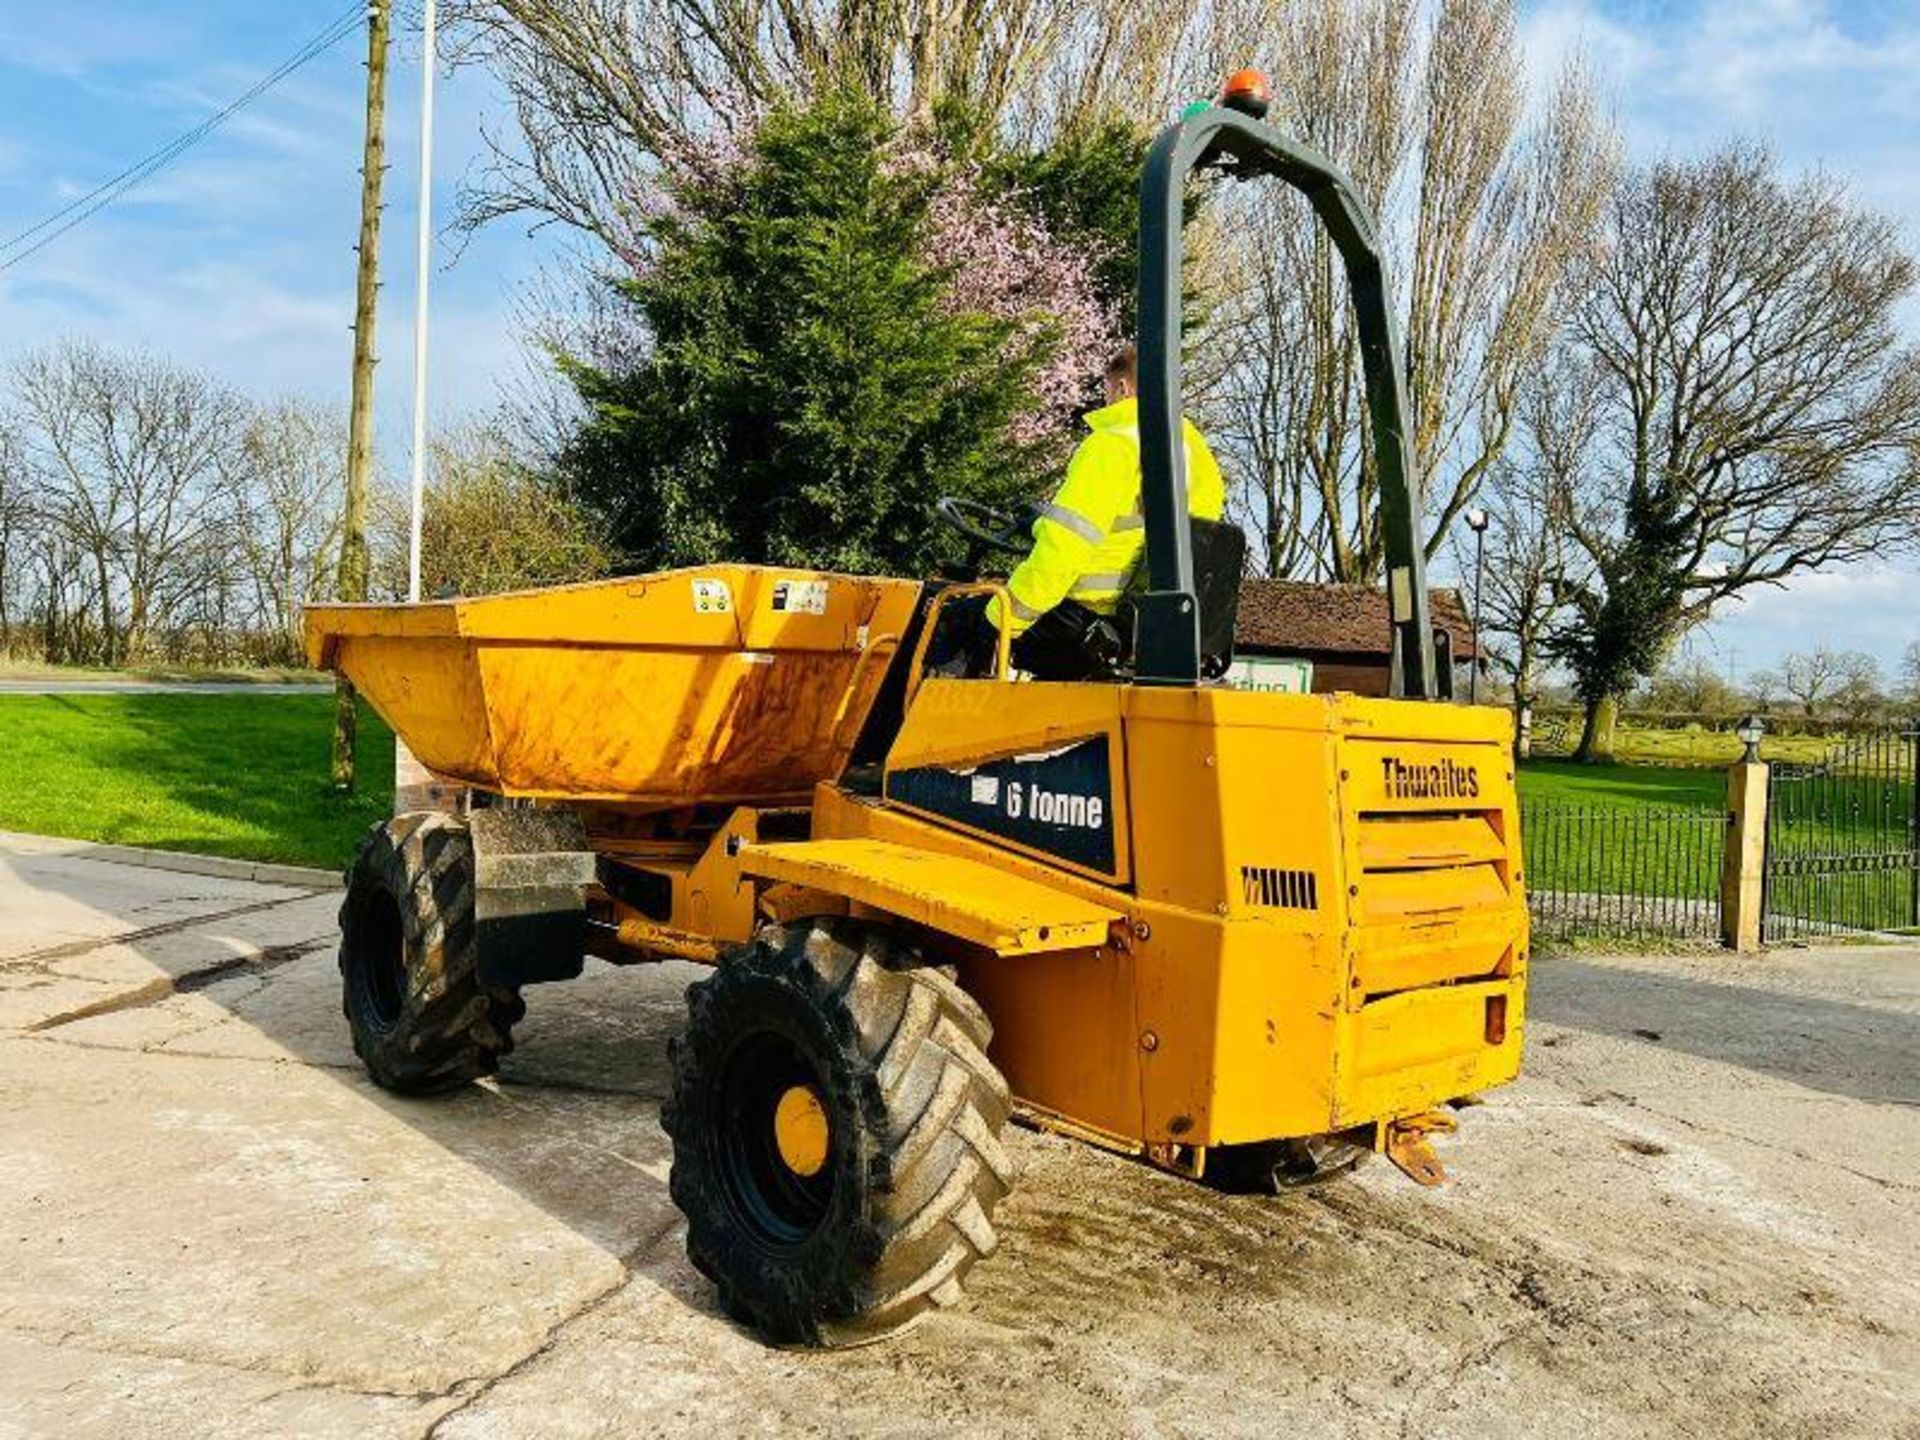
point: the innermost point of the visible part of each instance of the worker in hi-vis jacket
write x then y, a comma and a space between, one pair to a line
1088, 539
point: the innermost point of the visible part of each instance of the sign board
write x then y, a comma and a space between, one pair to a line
1263, 672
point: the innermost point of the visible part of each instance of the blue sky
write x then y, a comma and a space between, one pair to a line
239, 257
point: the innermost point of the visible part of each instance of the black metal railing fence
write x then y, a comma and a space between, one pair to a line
1843, 841
1648, 872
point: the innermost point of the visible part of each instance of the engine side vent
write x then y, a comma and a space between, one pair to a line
1276, 889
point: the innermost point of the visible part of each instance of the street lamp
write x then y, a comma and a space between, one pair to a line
1476, 519
1749, 731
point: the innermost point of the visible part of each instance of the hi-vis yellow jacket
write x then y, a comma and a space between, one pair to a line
1089, 538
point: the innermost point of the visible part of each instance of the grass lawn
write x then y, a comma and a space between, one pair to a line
1610, 830
1638, 785
244, 776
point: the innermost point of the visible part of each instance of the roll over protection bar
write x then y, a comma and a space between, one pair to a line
1167, 641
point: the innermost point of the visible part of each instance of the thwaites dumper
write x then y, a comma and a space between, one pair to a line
1247, 937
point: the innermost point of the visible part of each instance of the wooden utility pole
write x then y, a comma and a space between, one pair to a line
353, 540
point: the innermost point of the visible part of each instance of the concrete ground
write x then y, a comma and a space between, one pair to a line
1697, 1214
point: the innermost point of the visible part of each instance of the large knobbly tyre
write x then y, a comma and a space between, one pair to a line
422, 1022
836, 1133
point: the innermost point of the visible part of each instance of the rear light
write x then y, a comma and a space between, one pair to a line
1496, 1019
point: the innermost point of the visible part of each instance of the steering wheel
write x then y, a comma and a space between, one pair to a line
1003, 530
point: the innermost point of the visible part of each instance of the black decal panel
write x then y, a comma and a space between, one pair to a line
1059, 801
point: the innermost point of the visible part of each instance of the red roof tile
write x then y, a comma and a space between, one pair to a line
1298, 617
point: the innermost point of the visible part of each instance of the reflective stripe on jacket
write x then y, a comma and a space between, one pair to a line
1089, 537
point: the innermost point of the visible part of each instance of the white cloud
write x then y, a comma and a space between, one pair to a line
1873, 607
1563, 30
70, 40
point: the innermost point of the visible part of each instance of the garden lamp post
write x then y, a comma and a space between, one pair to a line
1748, 732
1476, 519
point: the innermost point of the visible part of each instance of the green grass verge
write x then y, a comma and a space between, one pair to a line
245, 776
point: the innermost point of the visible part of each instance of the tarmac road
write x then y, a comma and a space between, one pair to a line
1695, 1215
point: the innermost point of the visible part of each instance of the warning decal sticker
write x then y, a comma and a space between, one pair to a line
800, 597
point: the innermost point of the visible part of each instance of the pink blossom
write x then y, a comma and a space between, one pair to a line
999, 260
1004, 262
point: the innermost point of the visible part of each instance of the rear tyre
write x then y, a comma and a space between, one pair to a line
409, 963
836, 1134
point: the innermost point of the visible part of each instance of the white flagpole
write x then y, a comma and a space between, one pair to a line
413, 783
420, 303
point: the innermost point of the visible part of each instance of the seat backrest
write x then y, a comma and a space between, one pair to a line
1219, 560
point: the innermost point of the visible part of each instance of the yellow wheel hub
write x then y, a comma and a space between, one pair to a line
800, 1129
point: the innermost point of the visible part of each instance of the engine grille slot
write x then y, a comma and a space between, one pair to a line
1274, 889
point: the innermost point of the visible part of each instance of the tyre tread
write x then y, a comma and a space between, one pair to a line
915, 1047
452, 1029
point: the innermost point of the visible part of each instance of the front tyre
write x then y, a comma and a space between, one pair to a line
836, 1134
409, 961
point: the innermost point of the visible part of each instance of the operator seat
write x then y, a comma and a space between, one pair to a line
1071, 642
1219, 563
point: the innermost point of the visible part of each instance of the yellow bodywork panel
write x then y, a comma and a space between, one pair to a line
1324, 922
967, 899
726, 684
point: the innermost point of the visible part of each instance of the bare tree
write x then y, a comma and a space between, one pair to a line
1862, 696
1909, 692
287, 512
1759, 409
1823, 681
16, 518
1811, 678
131, 455
1487, 206
602, 90
490, 523
1526, 497
1691, 686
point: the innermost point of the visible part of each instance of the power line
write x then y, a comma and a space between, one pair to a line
336, 30
79, 211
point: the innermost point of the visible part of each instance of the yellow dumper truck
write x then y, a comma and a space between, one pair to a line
1247, 937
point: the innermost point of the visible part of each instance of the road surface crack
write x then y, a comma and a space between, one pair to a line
67, 950
484, 1386
1773, 1146
165, 987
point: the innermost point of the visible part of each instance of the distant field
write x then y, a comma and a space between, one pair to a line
244, 776
231, 675
1634, 746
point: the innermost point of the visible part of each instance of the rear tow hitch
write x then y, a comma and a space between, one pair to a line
1408, 1147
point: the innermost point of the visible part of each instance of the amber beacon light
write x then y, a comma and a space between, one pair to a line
1249, 92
